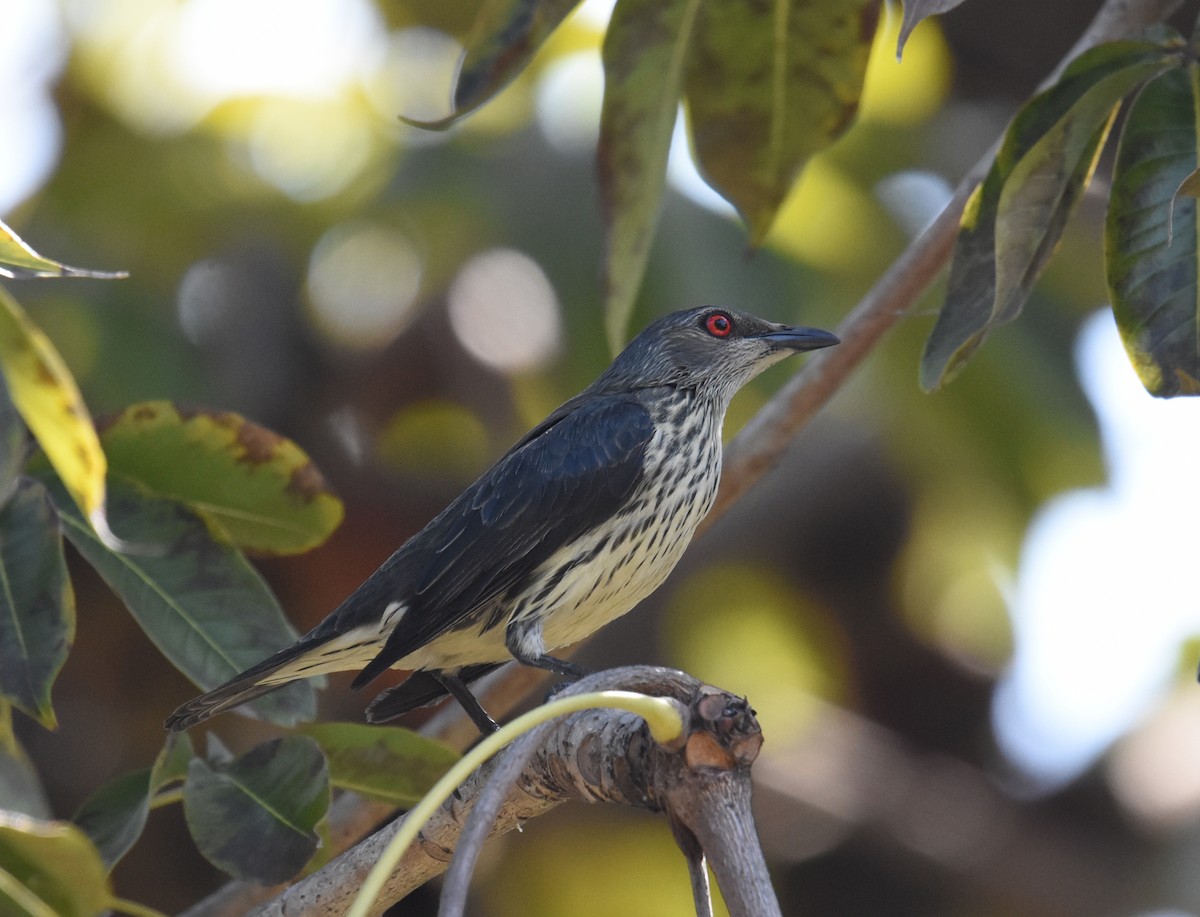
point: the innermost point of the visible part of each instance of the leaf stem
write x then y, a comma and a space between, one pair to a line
125, 906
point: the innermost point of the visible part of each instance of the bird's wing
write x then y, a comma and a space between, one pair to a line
568, 475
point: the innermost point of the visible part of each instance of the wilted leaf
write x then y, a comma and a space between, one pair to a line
254, 488
917, 10
199, 601
19, 261
37, 606
49, 867
768, 89
256, 818
506, 34
1015, 218
47, 398
115, 815
1152, 271
385, 763
645, 56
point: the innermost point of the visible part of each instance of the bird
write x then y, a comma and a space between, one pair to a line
570, 529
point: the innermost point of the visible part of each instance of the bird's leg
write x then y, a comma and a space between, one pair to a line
524, 640
461, 693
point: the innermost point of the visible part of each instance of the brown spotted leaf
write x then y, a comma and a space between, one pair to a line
769, 85
254, 488
19, 261
645, 56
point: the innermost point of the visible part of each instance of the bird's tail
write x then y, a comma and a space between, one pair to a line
419, 690
274, 672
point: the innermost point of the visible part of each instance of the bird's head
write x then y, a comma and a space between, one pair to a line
712, 350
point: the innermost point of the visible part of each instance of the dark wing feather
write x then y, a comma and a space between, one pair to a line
568, 475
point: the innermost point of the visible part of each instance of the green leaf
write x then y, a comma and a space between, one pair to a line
1151, 240
645, 57
769, 85
199, 601
1047, 180
254, 488
256, 818
1015, 218
115, 815
47, 398
49, 869
37, 606
505, 36
384, 763
20, 789
171, 765
12, 445
18, 260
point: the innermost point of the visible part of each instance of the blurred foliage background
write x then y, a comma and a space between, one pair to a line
404, 304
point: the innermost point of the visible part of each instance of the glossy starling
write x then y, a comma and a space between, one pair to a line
570, 529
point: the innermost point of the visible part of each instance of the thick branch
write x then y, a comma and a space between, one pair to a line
594, 756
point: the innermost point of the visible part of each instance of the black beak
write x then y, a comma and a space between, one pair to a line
800, 339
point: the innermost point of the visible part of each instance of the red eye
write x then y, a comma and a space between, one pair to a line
719, 324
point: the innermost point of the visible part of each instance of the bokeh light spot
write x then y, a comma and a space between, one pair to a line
951, 574
435, 438
363, 280
205, 299
306, 162
569, 97
748, 631
828, 221
505, 312
31, 54
634, 868
1155, 770
298, 48
912, 89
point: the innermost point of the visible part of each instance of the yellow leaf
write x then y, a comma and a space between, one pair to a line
48, 400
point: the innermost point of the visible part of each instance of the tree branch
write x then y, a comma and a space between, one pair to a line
701, 780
